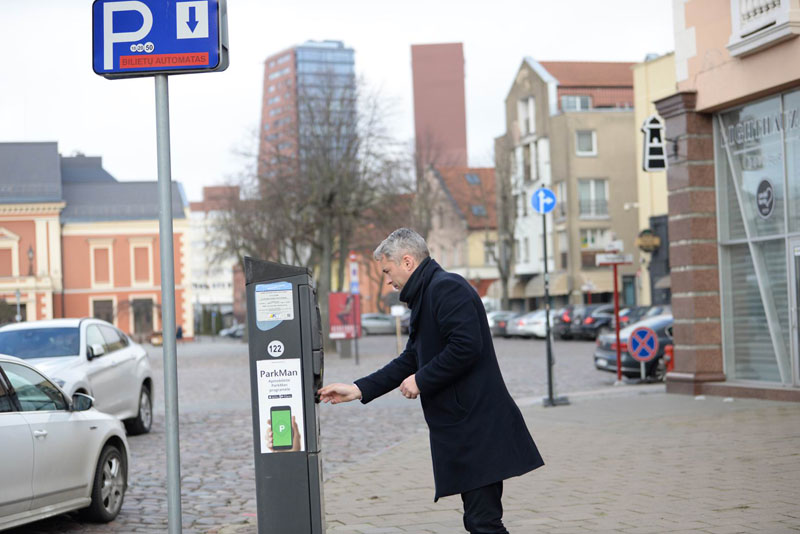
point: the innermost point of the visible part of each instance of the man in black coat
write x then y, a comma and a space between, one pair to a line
477, 434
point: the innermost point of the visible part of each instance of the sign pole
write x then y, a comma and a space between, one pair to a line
550, 400
616, 325
544, 201
168, 305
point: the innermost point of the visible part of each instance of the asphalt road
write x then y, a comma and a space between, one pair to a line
216, 438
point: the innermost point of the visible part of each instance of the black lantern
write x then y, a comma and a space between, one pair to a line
30, 260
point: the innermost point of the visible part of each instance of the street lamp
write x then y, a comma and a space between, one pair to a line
19, 315
30, 260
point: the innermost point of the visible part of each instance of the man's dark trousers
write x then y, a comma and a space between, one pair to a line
483, 510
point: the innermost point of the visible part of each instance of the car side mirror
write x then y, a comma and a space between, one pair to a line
96, 350
81, 402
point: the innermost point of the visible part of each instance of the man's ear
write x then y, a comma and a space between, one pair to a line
408, 261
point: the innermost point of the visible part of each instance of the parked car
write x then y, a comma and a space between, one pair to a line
377, 323
236, 331
88, 356
596, 321
605, 354
633, 314
405, 322
531, 324
59, 454
562, 321
499, 321
579, 313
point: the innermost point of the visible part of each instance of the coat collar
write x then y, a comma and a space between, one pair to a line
415, 287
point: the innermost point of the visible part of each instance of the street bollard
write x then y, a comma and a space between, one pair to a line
286, 366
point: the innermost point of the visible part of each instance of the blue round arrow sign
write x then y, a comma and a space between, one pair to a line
643, 344
543, 200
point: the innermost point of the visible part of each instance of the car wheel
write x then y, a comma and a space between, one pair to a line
144, 419
108, 489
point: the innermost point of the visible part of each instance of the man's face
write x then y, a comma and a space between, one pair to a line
398, 273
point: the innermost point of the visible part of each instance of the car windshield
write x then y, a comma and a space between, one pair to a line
32, 343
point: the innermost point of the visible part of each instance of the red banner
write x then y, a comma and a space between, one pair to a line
199, 59
344, 315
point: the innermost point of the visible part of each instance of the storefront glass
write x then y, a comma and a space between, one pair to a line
752, 177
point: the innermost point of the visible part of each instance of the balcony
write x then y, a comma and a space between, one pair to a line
759, 24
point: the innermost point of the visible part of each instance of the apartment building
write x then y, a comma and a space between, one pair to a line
463, 235
569, 127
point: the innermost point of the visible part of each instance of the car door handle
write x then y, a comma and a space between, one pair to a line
40, 433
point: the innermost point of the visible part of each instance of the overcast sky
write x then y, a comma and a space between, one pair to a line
48, 91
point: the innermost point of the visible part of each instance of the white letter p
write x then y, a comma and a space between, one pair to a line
109, 37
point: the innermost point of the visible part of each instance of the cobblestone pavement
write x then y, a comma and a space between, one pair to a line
218, 487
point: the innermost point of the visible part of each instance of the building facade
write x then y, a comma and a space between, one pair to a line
440, 119
653, 79
463, 235
79, 243
212, 270
569, 127
734, 192
293, 80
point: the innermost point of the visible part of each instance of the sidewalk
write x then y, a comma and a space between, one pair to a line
628, 463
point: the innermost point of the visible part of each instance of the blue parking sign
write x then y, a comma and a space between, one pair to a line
147, 37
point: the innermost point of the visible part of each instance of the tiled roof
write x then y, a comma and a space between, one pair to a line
472, 199
29, 172
590, 73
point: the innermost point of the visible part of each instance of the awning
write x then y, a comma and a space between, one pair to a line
663, 283
535, 286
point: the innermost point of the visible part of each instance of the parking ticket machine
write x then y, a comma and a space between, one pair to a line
286, 365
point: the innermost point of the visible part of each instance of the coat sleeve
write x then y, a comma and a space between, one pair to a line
459, 324
390, 376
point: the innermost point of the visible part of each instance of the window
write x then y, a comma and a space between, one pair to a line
40, 342
472, 178
479, 211
103, 309
563, 248
94, 337
593, 198
526, 115
101, 266
284, 58
274, 99
594, 238
34, 392
278, 73
271, 89
5, 400
112, 338
489, 253
576, 102
585, 143
561, 199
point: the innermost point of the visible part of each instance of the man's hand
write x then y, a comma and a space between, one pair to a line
409, 388
336, 393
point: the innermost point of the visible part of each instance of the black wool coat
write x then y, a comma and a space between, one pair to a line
477, 433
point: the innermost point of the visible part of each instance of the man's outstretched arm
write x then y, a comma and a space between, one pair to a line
336, 393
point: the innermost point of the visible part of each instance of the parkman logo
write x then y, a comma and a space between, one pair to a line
277, 373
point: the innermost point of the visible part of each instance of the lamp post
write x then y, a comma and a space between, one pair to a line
18, 317
30, 260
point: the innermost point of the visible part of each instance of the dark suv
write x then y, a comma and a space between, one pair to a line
596, 320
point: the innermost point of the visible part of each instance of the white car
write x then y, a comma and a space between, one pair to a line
530, 324
58, 454
88, 356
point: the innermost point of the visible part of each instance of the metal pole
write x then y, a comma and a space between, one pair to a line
616, 327
550, 398
18, 317
168, 305
356, 310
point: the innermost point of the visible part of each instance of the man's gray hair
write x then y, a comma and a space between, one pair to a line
401, 242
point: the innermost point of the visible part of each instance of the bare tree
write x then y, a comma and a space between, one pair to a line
317, 176
506, 214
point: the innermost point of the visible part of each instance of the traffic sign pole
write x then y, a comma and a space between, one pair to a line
616, 325
544, 202
168, 305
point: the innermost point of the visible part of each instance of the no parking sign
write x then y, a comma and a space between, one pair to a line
643, 344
